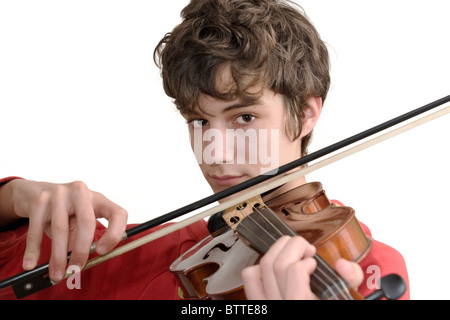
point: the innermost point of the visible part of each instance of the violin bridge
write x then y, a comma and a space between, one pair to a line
235, 215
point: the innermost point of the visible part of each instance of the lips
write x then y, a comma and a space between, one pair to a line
226, 180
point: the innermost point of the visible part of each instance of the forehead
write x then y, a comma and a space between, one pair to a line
229, 93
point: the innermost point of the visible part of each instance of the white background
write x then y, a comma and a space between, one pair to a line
81, 99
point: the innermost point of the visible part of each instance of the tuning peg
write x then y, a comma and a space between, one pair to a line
392, 287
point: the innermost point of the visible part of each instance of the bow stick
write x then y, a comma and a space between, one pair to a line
34, 280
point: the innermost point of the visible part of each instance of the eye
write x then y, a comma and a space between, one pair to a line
245, 118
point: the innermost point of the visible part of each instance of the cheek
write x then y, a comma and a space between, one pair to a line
203, 168
289, 150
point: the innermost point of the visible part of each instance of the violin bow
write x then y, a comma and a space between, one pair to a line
28, 282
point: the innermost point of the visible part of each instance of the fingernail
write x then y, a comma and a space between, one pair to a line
57, 276
28, 263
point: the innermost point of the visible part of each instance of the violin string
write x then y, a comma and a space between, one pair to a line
313, 283
317, 281
263, 216
261, 227
250, 217
322, 267
338, 283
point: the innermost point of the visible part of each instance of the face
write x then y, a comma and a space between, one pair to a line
234, 141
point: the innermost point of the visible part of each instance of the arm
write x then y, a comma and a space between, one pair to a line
67, 213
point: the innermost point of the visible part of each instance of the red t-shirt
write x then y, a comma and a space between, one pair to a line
143, 273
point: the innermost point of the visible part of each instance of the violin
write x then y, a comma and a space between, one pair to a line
212, 268
292, 210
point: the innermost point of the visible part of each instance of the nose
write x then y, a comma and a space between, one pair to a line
217, 149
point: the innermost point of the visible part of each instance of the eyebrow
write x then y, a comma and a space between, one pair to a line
242, 105
236, 105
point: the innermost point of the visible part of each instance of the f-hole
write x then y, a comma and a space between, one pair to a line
220, 246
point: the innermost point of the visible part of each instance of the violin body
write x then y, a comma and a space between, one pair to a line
211, 269
333, 230
215, 277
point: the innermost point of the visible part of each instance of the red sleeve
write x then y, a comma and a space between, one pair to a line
142, 273
12, 246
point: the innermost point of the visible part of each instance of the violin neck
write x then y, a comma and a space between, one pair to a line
263, 227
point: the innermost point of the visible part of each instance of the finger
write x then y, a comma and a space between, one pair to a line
295, 250
33, 246
117, 221
72, 232
60, 235
37, 216
269, 279
350, 272
253, 286
84, 228
298, 286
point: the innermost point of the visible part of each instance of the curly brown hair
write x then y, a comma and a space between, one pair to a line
270, 43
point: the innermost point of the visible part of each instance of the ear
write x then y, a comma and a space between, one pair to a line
311, 115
